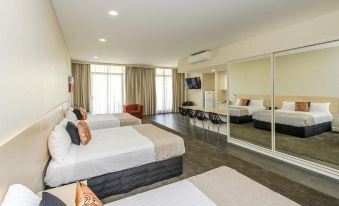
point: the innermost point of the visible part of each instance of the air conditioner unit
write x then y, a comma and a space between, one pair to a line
200, 57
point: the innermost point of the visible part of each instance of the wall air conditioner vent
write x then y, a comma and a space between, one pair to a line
200, 56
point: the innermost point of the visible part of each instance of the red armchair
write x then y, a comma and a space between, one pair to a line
134, 109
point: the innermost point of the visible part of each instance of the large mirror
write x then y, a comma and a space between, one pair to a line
250, 89
307, 101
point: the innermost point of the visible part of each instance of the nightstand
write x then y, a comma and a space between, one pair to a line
65, 193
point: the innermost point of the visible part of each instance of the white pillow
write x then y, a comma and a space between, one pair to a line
289, 106
64, 122
256, 103
237, 102
19, 195
71, 116
59, 143
320, 107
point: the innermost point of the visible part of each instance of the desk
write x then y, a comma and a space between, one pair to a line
221, 112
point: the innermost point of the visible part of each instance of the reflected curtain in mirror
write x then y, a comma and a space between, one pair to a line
82, 85
140, 88
178, 89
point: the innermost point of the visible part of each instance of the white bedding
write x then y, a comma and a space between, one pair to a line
109, 150
102, 121
295, 118
238, 111
182, 193
222, 186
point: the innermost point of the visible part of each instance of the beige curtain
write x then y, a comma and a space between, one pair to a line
82, 85
178, 89
140, 88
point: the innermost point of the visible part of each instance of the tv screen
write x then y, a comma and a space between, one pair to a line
193, 83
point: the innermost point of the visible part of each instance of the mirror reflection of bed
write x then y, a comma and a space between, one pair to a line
249, 92
307, 95
306, 102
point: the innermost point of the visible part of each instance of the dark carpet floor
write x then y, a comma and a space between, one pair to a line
204, 153
322, 148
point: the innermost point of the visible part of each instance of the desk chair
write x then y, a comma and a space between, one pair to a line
183, 112
190, 113
215, 120
200, 115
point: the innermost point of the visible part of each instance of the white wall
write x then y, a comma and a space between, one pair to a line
251, 77
313, 73
34, 63
314, 30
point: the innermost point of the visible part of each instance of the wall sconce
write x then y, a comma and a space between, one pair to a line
70, 84
71, 88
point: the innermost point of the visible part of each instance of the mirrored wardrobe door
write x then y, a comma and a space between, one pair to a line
307, 101
250, 88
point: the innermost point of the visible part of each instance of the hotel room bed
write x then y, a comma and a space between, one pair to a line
242, 114
120, 159
296, 123
104, 121
221, 186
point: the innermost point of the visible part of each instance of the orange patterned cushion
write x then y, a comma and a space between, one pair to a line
244, 102
302, 106
85, 196
83, 113
84, 132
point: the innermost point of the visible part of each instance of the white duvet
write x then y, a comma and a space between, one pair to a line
222, 186
109, 150
180, 193
102, 121
238, 110
295, 118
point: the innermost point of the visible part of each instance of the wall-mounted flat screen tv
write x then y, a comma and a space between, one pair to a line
193, 83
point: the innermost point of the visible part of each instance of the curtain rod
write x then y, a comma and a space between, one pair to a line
114, 64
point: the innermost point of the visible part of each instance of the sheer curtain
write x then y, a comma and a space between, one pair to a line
164, 90
108, 92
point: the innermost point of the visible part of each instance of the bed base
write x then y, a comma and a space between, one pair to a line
302, 132
241, 119
130, 179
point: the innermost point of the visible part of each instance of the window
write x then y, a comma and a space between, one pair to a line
108, 88
164, 94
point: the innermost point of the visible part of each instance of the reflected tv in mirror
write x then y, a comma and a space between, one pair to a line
193, 83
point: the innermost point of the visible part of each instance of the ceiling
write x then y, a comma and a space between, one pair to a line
160, 32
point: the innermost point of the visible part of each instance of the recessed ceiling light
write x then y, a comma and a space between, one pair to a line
213, 70
102, 40
113, 13
95, 57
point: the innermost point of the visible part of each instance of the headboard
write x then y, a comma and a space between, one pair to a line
332, 100
23, 157
266, 98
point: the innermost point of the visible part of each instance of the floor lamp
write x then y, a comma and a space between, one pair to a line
71, 88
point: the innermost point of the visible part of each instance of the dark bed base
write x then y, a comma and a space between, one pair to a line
130, 179
295, 131
240, 119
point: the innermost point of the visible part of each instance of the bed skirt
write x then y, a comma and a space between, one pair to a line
295, 131
241, 119
130, 179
